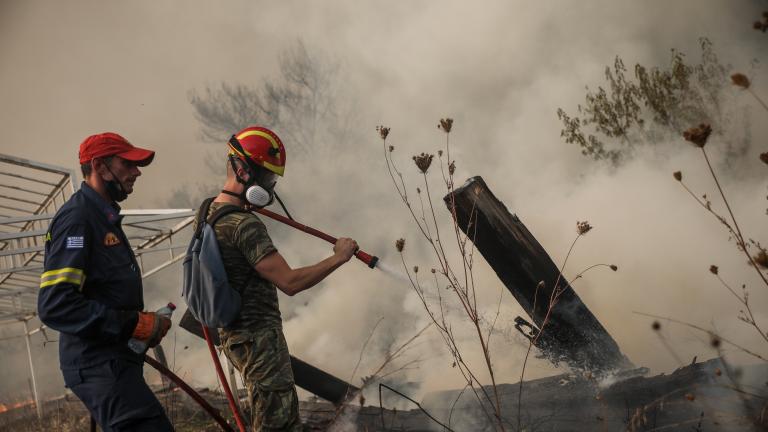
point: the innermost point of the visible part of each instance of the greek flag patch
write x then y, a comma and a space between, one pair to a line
75, 242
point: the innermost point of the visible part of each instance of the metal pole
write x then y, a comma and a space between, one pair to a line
32, 372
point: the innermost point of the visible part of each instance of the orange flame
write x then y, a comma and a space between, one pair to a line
12, 406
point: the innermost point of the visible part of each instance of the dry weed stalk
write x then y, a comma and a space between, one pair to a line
463, 285
715, 342
761, 25
380, 372
699, 137
740, 80
582, 228
713, 335
460, 283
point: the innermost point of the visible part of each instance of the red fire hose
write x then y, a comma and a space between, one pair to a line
191, 392
223, 379
369, 260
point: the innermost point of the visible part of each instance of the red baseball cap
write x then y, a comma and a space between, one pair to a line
112, 144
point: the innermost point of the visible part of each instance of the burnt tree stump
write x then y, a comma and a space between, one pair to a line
572, 335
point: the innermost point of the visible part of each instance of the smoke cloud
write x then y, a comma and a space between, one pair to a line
500, 71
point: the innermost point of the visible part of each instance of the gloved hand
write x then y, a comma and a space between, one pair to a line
151, 328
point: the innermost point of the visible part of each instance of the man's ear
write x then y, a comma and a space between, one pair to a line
99, 167
243, 172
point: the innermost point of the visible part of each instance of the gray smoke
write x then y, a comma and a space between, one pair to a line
500, 70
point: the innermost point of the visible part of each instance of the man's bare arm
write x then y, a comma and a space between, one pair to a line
275, 269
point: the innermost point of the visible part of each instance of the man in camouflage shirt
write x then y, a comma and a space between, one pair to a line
254, 342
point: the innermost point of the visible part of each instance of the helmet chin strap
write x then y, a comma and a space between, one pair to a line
239, 179
240, 196
254, 196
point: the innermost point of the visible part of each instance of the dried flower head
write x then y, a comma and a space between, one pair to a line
713, 269
678, 175
690, 397
415, 269
540, 285
439, 153
418, 190
583, 227
740, 80
762, 25
718, 372
400, 244
452, 167
714, 341
764, 157
391, 149
446, 124
656, 326
698, 135
614, 267
423, 161
383, 131
761, 259
433, 271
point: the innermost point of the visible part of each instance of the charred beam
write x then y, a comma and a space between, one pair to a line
308, 377
572, 333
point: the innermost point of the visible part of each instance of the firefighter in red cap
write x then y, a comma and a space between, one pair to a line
91, 292
254, 342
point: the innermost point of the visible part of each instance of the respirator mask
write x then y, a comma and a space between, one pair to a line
262, 192
259, 189
115, 189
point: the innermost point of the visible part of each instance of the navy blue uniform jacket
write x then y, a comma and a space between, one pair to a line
90, 289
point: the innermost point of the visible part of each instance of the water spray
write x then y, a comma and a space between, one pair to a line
370, 260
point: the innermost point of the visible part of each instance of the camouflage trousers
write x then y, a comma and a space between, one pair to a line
262, 358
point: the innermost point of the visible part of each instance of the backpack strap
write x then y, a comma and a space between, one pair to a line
223, 211
202, 212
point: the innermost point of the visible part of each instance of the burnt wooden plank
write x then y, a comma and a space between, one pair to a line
308, 377
701, 393
573, 334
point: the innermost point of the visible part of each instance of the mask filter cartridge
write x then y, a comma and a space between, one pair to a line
258, 196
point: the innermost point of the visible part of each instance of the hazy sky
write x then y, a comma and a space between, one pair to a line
499, 68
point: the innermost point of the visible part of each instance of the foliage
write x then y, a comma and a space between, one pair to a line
656, 104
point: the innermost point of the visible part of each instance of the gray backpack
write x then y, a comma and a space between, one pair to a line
206, 288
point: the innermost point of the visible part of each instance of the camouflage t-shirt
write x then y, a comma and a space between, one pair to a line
243, 242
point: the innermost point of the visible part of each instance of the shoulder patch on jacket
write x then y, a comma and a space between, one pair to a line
111, 239
75, 242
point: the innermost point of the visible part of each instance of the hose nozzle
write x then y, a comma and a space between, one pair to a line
369, 260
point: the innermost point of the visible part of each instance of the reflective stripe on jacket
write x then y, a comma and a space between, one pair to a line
91, 287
